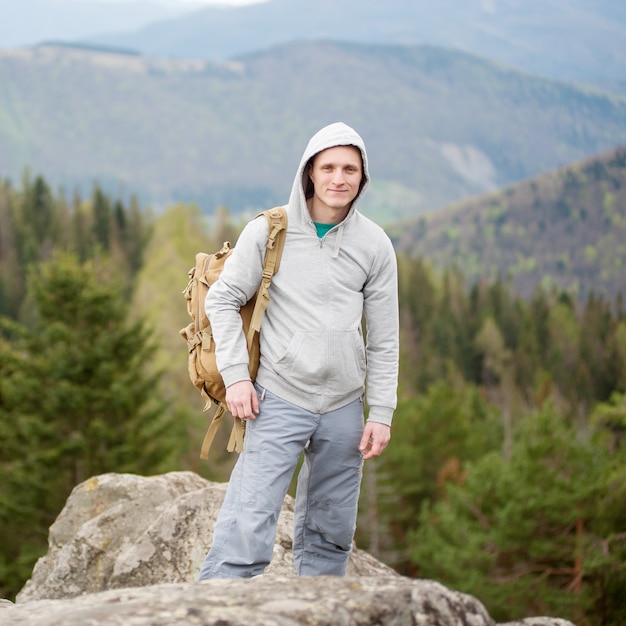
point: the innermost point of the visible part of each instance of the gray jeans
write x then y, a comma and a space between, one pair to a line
326, 499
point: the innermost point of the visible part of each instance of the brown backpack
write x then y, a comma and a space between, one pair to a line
202, 364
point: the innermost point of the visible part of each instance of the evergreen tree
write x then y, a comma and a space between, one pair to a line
434, 436
11, 283
605, 550
76, 400
34, 223
416, 289
519, 534
102, 219
35, 220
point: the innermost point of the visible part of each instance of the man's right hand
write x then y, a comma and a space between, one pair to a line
242, 400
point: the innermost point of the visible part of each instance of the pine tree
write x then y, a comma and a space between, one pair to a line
101, 209
76, 400
434, 436
525, 535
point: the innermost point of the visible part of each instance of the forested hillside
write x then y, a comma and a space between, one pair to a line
506, 473
565, 229
440, 125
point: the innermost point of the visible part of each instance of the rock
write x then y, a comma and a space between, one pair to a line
539, 621
267, 600
124, 530
126, 550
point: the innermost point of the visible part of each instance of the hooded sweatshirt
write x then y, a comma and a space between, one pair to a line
313, 353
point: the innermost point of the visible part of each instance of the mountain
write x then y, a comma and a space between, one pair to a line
440, 125
564, 229
573, 40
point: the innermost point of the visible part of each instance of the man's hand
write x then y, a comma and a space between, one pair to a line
242, 400
375, 438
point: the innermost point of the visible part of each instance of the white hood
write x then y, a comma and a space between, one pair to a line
337, 134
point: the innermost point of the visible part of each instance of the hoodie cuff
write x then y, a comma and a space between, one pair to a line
235, 374
381, 415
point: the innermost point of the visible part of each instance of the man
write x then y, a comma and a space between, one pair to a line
337, 267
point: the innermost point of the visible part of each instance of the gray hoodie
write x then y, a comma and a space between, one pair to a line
312, 349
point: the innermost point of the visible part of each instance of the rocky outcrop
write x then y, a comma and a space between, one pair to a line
265, 601
126, 550
123, 530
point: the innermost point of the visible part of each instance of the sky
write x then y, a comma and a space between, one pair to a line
27, 22
181, 2
231, 2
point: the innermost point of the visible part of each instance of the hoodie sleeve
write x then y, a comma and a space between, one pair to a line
237, 284
382, 326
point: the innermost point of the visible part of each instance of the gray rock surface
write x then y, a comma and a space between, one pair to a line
126, 550
123, 530
267, 601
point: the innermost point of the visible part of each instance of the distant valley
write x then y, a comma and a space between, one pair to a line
440, 125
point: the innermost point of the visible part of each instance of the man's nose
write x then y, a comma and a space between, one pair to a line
338, 177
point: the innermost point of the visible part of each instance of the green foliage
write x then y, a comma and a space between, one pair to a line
35, 222
435, 435
76, 400
605, 550
519, 351
525, 535
478, 448
610, 418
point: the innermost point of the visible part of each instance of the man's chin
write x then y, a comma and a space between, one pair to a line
339, 203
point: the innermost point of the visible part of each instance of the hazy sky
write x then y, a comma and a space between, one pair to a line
220, 1
174, 2
27, 22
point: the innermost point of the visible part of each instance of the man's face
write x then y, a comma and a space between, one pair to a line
336, 174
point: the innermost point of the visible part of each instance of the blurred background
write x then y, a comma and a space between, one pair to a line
135, 133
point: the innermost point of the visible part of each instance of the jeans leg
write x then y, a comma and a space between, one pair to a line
328, 494
245, 531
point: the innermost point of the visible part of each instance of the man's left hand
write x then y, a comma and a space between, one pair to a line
375, 438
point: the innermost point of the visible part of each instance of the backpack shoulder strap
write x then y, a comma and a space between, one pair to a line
277, 220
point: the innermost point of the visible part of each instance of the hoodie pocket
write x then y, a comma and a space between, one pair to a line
333, 359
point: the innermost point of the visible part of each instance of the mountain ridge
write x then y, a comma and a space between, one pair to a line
559, 39
440, 125
564, 229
